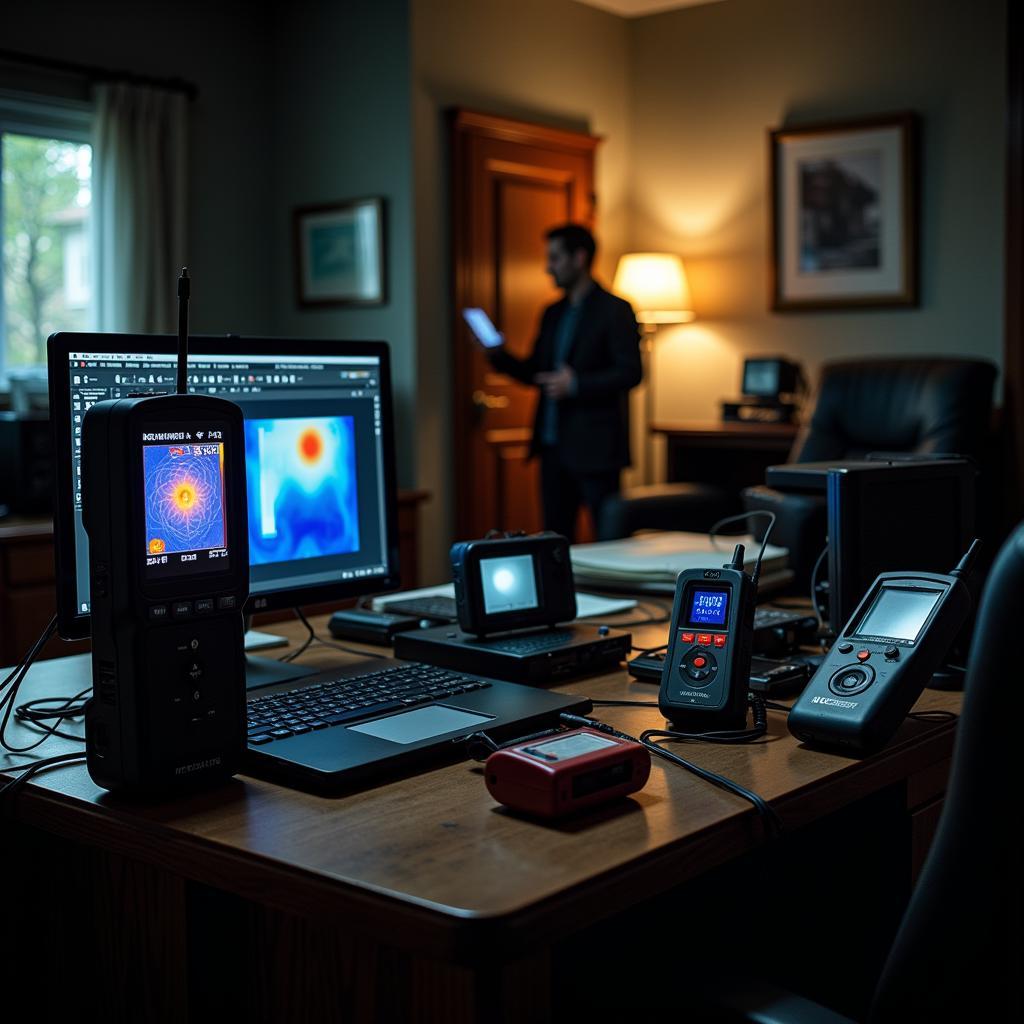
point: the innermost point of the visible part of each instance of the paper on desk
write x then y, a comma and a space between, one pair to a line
659, 557
588, 606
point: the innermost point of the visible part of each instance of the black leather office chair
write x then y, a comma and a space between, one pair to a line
923, 406
958, 953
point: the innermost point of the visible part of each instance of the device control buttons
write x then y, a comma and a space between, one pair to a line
227, 602
194, 670
851, 679
158, 612
686, 638
844, 648
892, 653
204, 605
720, 639
863, 655
704, 639
181, 609
698, 667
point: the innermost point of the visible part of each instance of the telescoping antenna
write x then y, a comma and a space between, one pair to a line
184, 286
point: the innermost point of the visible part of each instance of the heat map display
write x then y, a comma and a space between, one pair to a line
301, 481
184, 493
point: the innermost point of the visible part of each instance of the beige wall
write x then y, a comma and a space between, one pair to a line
549, 61
708, 81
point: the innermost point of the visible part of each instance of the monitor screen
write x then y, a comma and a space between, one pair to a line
319, 459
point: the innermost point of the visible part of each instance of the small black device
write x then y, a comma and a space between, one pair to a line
510, 583
896, 640
765, 381
26, 462
164, 502
772, 678
369, 626
537, 657
707, 665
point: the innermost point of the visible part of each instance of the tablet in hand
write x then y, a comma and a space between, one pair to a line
480, 324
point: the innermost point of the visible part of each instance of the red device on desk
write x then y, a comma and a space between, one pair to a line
560, 774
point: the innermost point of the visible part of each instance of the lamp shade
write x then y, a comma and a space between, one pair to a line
655, 285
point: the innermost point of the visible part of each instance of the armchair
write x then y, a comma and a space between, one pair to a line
925, 406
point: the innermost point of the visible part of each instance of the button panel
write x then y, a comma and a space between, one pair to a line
851, 679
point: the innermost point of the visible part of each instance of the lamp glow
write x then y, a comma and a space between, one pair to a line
655, 285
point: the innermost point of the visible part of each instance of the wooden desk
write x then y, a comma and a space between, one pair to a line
421, 900
732, 455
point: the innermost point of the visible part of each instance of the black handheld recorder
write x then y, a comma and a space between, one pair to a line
705, 679
164, 505
895, 641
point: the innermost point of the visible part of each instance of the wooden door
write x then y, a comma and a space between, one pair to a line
512, 181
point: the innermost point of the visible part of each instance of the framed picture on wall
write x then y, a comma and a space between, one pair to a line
339, 253
844, 214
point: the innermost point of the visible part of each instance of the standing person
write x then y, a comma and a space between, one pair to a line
585, 360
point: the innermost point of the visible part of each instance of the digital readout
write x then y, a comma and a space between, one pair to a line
708, 607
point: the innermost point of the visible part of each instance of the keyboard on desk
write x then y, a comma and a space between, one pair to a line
442, 609
342, 701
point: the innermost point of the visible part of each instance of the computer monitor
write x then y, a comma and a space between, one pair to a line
319, 453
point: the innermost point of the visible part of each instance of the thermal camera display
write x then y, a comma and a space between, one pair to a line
301, 480
184, 496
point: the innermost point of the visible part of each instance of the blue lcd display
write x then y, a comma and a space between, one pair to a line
708, 607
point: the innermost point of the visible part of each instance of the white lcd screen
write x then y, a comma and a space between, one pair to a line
899, 613
509, 584
568, 747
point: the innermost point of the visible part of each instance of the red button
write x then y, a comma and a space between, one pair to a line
704, 638
699, 662
686, 638
720, 639
863, 655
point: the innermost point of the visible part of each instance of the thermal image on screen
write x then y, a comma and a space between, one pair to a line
184, 490
301, 480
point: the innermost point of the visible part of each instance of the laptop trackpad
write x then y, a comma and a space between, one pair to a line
421, 724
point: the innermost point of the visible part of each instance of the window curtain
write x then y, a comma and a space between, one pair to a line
138, 206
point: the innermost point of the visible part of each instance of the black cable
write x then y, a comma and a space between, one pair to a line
35, 713
772, 823
773, 706
759, 728
937, 715
814, 583
663, 614
28, 770
756, 574
13, 684
624, 704
313, 638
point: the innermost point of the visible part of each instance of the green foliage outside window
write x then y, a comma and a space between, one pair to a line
45, 199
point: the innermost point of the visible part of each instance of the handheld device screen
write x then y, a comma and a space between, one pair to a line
185, 503
898, 613
509, 583
708, 607
480, 324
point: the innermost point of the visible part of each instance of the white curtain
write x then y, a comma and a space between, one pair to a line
138, 207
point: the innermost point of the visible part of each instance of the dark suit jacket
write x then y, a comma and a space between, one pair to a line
593, 424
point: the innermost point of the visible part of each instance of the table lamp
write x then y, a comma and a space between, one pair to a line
655, 285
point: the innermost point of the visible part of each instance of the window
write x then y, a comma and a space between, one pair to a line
45, 203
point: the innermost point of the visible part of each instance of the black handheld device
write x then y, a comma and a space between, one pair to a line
164, 504
895, 641
707, 666
513, 583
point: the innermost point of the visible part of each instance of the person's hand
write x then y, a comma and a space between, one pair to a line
558, 383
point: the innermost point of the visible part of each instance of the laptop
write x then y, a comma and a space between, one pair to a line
375, 719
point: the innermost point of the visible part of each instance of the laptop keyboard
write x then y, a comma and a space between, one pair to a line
442, 608
532, 644
341, 701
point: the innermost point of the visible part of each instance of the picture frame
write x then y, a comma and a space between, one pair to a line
843, 207
339, 253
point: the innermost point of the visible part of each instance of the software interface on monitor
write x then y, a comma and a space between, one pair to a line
313, 456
